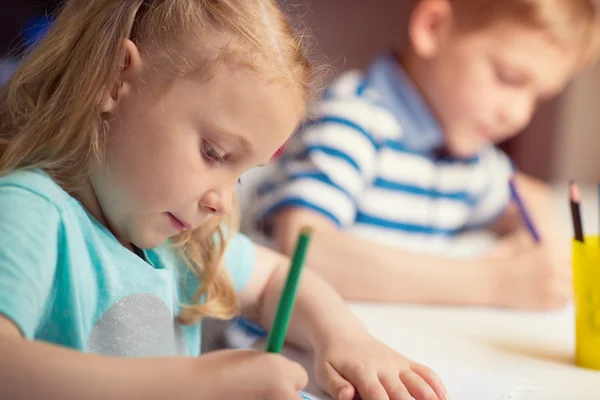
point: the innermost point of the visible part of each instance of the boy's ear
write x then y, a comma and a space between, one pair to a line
131, 67
429, 26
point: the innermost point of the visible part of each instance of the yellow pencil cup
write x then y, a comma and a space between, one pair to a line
586, 283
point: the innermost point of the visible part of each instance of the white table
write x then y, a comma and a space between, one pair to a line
498, 354
484, 354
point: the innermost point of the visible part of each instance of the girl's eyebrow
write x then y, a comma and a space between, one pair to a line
233, 137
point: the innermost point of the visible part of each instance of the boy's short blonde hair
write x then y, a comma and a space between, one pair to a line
570, 23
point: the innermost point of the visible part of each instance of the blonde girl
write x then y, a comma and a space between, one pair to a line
122, 137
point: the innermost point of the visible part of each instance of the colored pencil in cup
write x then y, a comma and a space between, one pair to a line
523, 210
575, 200
288, 296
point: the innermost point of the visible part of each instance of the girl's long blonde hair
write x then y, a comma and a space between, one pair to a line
50, 113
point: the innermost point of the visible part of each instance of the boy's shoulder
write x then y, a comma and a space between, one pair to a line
351, 99
34, 185
347, 85
398, 109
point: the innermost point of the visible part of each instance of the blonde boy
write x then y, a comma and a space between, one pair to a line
401, 158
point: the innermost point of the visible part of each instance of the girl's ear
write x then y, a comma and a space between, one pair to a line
131, 68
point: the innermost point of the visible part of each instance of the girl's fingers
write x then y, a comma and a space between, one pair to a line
395, 388
417, 387
335, 384
431, 378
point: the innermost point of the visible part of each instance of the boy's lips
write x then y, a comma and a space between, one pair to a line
485, 133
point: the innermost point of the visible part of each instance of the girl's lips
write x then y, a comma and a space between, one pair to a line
179, 225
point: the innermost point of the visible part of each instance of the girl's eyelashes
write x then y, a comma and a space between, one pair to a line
210, 154
214, 157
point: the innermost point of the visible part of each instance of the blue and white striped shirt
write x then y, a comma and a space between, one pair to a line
369, 162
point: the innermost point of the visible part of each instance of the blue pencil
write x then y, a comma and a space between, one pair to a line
524, 214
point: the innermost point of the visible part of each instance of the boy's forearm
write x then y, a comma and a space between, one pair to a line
362, 270
36, 370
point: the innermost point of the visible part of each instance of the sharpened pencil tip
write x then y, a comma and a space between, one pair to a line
574, 193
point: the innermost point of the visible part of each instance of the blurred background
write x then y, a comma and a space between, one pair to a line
560, 144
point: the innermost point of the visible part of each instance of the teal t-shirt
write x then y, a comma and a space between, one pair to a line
65, 279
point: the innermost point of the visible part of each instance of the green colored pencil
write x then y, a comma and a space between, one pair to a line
288, 296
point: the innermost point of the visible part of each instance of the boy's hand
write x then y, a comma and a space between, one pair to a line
509, 245
536, 277
359, 364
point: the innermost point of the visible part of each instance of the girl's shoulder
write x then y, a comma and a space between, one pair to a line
31, 188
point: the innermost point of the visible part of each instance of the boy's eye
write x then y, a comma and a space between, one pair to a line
510, 78
210, 154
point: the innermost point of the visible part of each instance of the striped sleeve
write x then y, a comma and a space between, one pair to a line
495, 198
326, 165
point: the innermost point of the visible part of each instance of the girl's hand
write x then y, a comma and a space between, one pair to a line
252, 375
367, 367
